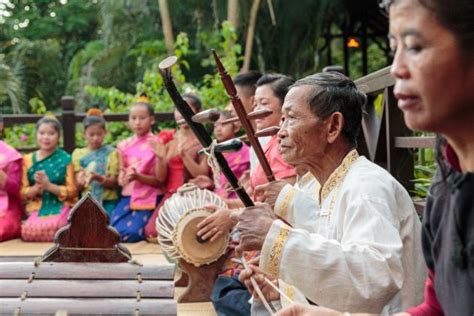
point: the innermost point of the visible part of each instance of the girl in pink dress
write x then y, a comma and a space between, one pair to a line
10, 183
141, 175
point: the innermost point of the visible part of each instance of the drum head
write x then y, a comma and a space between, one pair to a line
191, 249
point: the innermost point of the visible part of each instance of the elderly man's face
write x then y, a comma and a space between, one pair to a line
302, 135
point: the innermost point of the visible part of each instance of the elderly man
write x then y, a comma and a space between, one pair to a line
360, 251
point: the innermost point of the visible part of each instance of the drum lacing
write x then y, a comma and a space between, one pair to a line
137, 312
23, 295
139, 296
18, 311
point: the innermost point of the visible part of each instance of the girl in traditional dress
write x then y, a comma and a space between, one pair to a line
238, 161
180, 148
141, 175
48, 187
10, 182
96, 166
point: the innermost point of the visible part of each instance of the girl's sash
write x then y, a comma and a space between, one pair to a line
137, 153
100, 157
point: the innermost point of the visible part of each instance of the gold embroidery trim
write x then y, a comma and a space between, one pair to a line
306, 178
275, 253
290, 292
338, 175
283, 210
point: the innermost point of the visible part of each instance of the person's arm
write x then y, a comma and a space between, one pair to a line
12, 180
150, 180
27, 191
195, 168
364, 264
63, 192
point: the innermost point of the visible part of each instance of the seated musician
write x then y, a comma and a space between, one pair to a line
362, 251
270, 93
10, 183
48, 187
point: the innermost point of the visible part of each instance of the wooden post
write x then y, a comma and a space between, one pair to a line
69, 123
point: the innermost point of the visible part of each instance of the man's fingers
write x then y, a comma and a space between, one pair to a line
209, 234
204, 222
216, 235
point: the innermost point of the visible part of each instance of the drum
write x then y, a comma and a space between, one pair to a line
176, 225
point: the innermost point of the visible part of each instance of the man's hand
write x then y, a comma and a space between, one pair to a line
254, 224
215, 225
307, 310
268, 291
268, 192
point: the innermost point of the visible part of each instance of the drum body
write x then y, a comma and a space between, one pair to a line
176, 225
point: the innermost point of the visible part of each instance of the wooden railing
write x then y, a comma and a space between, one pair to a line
69, 118
386, 140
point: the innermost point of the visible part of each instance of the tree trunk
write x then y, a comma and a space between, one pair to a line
233, 12
250, 35
166, 24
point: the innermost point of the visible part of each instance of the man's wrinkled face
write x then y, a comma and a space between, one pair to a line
302, 134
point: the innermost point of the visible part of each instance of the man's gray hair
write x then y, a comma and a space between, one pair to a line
333, 92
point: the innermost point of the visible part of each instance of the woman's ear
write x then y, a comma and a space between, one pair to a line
335, 124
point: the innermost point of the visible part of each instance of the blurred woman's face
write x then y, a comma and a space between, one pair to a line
265, 98
434, 81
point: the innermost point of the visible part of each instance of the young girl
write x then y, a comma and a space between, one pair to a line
48, 187
140, 175
96, 166
180, 149
10, 180
238, 161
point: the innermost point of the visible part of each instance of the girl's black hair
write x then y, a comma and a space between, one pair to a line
94, 119
195, 99
50, 120
280, 84
143, 101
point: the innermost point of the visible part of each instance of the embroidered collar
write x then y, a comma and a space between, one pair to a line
338, 175
306, 178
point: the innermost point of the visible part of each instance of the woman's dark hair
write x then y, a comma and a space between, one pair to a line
248, 81
279, 83
50, 120
457, 16
195, 100
333, 92
94, 117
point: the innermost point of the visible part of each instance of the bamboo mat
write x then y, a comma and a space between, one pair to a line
143, 251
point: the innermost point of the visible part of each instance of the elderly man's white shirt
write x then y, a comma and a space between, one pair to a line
294, 201
361, 251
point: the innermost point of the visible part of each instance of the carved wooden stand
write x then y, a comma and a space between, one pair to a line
200, 280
